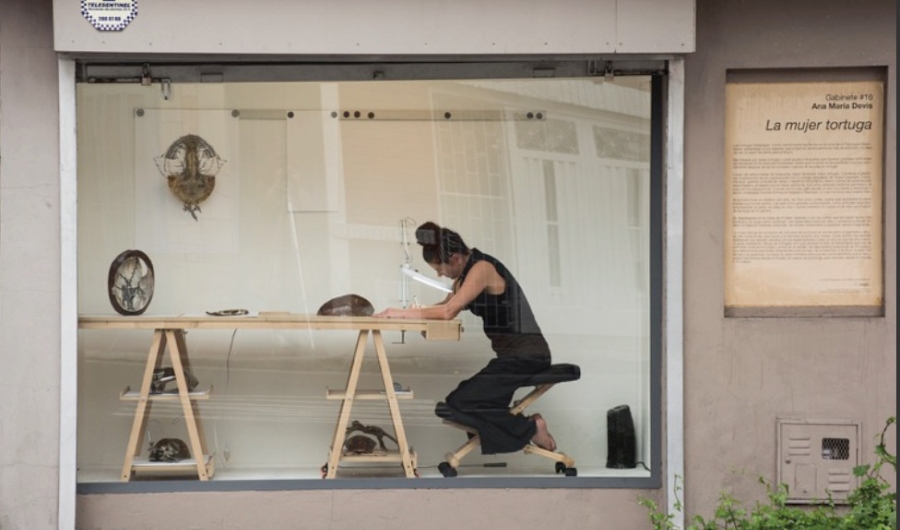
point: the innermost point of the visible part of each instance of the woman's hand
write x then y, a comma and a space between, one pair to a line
442, 311
391, 312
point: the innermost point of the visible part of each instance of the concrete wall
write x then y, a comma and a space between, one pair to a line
30, 359
29, 267
742, 373
372, 509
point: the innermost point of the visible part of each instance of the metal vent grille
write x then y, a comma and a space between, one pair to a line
816, 459
835, 448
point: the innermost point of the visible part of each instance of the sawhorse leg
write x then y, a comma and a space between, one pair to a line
154, 359
409, 468
340, 430
179, 358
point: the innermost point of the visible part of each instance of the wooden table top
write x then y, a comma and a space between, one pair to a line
434, 329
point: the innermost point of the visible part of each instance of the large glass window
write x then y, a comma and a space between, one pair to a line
273, 198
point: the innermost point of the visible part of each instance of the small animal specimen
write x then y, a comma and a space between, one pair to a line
130, 282
190, 165
228, 313
359, 445
169, 450
362, 444
164, 376
347, 305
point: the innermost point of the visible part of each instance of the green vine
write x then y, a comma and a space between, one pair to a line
871, 506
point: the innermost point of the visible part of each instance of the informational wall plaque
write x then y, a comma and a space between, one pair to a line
803, 215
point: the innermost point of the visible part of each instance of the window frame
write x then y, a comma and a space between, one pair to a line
95, 72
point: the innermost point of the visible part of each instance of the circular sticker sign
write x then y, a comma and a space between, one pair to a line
109, 15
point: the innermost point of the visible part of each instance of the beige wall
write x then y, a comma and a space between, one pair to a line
740, 373
494, 509
29, 267
743, 373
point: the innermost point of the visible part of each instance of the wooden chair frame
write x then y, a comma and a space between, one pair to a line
564, 463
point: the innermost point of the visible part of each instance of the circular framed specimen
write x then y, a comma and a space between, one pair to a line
130, 283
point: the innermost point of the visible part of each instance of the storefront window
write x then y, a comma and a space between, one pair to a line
274, 198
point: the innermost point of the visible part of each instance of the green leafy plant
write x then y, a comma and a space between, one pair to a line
871, 506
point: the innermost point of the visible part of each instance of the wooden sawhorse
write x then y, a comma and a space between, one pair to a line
350, 393
201, 461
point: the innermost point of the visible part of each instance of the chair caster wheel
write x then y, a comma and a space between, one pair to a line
560, 467
324, 470
447, 470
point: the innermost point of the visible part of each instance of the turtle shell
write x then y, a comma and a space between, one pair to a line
190, 165
351, 305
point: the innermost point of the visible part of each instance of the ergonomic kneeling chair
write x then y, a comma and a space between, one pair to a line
542, 382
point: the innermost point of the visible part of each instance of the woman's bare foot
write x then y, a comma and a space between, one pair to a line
542, 438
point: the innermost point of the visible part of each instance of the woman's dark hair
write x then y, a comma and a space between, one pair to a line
438, 244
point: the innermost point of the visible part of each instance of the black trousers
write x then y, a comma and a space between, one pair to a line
483, 401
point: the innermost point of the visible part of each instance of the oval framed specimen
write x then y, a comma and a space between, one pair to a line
130, 283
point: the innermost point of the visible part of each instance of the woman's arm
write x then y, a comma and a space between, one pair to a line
482, 276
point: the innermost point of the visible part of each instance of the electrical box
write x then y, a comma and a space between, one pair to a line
817, 457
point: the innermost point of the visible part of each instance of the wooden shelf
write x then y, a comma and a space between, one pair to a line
378, 456
134, 395
188, 466
368, 394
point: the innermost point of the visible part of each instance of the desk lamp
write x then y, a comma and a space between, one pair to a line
421, 278
407, 272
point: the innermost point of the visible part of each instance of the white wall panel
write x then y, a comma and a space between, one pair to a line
416, 27
655, 26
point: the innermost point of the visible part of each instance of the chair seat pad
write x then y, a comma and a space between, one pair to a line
557, 373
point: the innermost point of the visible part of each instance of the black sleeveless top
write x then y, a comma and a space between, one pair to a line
508, 321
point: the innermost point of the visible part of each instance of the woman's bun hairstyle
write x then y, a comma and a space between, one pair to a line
438, 244
428, 234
